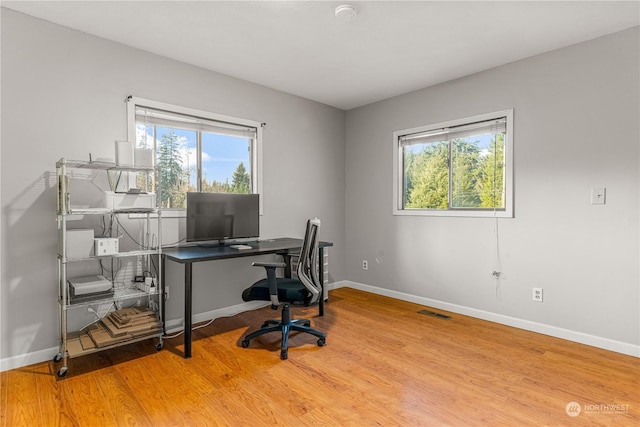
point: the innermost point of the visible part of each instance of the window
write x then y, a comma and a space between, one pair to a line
196, 150
458, 168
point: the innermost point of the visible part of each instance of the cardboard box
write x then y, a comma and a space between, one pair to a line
79, 244
130, 201
143, 157
124, 153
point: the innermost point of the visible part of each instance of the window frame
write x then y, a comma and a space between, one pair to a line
256, 151
398, 170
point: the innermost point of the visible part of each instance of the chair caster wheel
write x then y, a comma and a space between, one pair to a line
283, 355
57, 357
62, 372
159, 346
245, 343
321, 342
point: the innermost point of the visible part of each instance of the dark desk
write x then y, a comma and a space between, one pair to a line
187, 255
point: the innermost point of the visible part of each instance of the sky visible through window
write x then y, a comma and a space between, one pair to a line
221, 154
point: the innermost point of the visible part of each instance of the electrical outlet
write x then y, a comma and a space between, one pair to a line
537, 294
598, 196
365, 264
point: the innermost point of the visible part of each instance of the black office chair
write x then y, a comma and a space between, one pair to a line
306, 291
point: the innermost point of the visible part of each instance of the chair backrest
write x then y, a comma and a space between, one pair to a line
308, 261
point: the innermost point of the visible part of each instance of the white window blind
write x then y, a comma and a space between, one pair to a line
153, 116
498, 125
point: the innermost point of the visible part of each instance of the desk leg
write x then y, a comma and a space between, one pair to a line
321, 274
188, 269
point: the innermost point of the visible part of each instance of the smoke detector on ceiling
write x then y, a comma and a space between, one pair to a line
346, 12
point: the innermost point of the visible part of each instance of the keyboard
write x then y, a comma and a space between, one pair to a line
241, 247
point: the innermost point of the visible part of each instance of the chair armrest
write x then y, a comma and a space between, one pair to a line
271, 279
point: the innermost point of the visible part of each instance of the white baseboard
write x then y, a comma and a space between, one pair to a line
172, 326
176, 325
28, 359
554, 331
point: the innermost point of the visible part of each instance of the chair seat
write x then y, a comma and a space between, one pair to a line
304, 290
289, 290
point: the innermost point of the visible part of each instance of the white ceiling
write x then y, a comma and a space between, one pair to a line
299, 47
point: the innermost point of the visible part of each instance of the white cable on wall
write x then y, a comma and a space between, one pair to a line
497, 273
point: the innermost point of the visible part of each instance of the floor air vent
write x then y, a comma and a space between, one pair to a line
434, 314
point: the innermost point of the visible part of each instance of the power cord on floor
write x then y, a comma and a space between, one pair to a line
193, 329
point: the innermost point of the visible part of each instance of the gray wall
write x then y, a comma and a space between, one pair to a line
576, 127
63, 95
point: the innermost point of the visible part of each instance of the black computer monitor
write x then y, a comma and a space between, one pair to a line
222, 216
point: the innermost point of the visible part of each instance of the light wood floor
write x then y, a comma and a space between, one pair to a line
384, 365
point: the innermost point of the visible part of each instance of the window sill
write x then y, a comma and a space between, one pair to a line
454, 213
